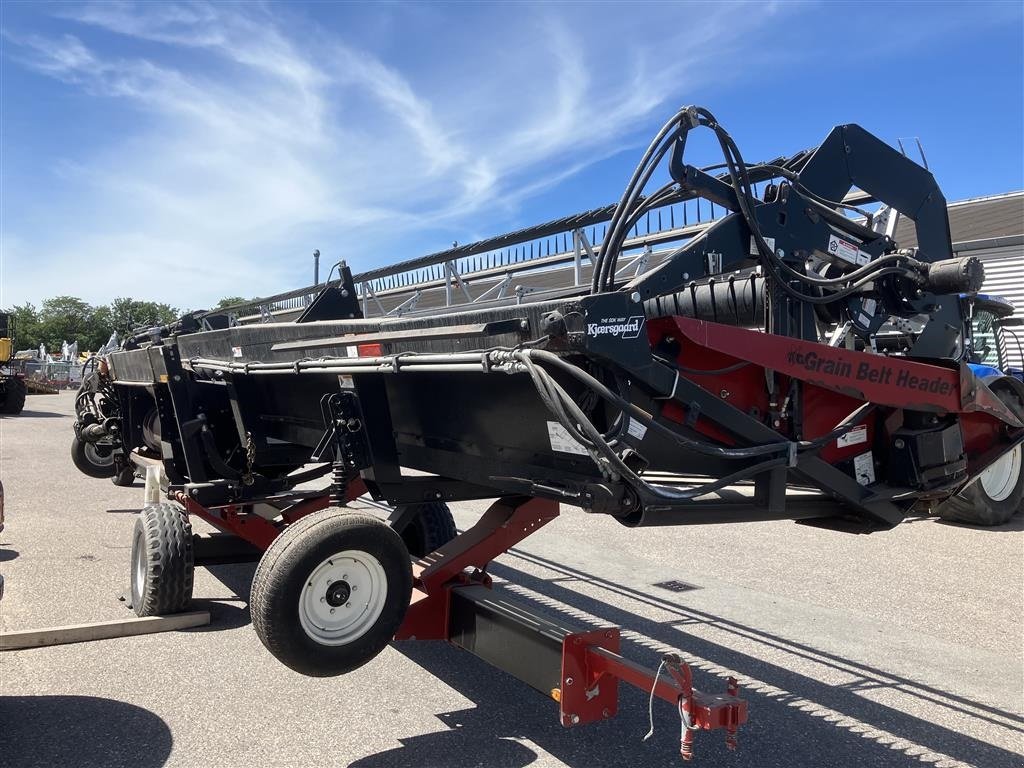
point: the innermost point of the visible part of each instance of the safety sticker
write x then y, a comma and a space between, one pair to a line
864, 468
753, 245
636, 429
844, 249
855, 436
562, 441
236, 351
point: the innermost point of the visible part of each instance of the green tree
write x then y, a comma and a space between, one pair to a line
70, 319
124, 315
229, 301
26, 325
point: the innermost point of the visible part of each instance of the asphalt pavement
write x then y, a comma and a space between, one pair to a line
901, 648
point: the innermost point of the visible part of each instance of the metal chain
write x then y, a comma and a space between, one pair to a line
250, 457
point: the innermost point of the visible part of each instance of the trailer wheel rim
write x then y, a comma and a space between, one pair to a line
1000, 478
139, 565
97, 457
343, 597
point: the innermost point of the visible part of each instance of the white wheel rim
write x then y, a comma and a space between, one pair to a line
1000, 478
94, 456
343, 597
139, 566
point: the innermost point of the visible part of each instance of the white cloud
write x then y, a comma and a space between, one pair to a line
249, 136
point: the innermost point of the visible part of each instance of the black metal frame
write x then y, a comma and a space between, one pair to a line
242, 409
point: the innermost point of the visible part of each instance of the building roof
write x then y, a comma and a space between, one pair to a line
978, 218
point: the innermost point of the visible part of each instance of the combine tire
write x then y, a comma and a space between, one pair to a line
998, 492
331, 591
162, 560
92, 459
14, 396
432, 527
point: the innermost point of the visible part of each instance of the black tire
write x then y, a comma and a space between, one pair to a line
91, 458
432, 527
303, 558
14, 396
125, 478
163, 564
974, 505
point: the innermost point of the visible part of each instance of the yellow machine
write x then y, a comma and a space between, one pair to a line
12, 383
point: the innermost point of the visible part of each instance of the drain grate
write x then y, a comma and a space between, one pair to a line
675, 586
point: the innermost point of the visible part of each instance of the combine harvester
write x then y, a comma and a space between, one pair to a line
786, 345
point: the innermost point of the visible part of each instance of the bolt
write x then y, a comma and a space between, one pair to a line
568, 681
635, 297
780, 253
605, 712
898, 444
354, 588
344, 577
437, 495
724, 393
348, 605
608, 634
310, 584
575, 719
323, 599
332, 610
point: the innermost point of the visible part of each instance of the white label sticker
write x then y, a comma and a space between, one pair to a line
753, 245
855, 436
562, 441
236, 351
844, 249
636, 429
864, 468
352, 350
863, 258
345, 381
621, 327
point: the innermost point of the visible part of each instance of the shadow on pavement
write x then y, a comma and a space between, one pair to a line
795, 719
230, 612
1015, 523
459, 746
7, 554
42, 415
81, 731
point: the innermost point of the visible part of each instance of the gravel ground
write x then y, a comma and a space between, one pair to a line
895, 649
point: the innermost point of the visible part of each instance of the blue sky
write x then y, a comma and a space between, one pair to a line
186, 152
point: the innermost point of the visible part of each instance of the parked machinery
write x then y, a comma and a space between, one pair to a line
12, 383
786, 345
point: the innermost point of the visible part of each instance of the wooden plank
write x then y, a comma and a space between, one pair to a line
101, 630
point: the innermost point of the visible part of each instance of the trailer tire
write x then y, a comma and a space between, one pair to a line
163, 563
301, 604
14, 396
92, 459
998, 493
431, 528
